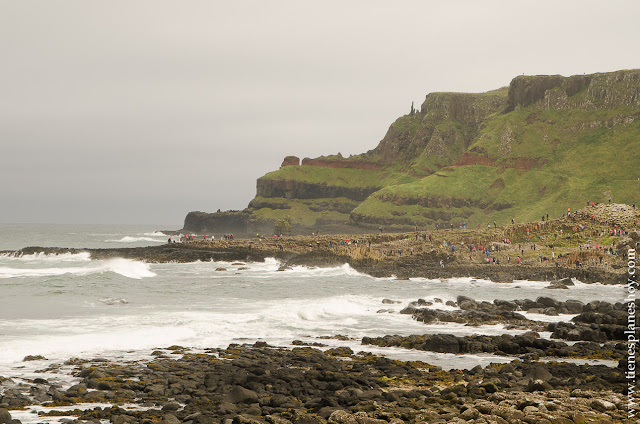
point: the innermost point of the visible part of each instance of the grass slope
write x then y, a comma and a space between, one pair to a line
582, 161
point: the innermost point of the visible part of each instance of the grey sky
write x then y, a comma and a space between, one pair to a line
140, 111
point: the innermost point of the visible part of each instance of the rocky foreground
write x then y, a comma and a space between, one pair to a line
255, 384
259, 383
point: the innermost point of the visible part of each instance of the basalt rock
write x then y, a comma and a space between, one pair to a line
505, 344
291, 189
307, 386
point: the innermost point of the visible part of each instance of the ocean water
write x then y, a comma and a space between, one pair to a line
68, 306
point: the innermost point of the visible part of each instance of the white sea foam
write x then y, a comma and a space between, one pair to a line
48, 257
126, 267
548, 318
129, 239
30, 415
156, 234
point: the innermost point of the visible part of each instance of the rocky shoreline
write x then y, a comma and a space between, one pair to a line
255, 384
586, 247
259, 383
424, 265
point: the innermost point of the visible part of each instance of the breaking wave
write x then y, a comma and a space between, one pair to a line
48, 257
125, 267
129, 239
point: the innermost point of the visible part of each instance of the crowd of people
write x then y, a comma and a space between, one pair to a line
568, 241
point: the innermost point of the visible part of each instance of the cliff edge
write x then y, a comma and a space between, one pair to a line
539, 146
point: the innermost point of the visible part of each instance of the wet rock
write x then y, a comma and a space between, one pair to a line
539, 372
442, 343
227, 408
128, 419
556, 286
507, 369
340, 351
489, 387
171, 406
476, 370
409, 310
505, 305
462, 298
5, 416
547, 302
34, 358
241, 395
538, 386
390, 302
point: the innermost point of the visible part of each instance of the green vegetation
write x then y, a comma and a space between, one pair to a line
339, 177
283, 225
304, 213
463, 157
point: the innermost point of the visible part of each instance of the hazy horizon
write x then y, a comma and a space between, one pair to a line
133, 113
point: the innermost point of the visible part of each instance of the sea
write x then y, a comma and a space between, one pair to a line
59, 307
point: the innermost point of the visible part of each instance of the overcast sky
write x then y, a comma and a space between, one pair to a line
141, 111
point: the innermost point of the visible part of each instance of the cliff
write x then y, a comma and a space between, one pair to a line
443, 129
536, 147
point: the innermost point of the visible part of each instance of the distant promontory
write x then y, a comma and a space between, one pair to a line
539, 146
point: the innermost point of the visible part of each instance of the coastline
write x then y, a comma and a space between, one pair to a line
417, 265
312, 383
259, 384
589, 246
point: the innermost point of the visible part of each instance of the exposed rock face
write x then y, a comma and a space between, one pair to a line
290, 161
345, 163
607, 90
538, 122
411, 135
292, 189
524, 91
235, 222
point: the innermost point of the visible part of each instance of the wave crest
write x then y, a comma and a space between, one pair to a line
125, 267
129, 239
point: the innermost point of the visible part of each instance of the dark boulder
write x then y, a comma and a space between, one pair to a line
444, 343
5, 416
548, 302
241, 395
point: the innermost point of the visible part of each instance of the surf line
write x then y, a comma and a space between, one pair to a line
632, 341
